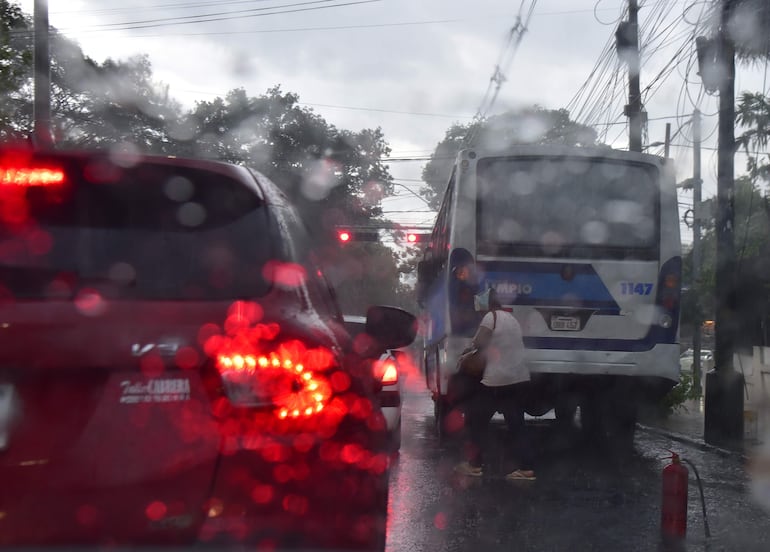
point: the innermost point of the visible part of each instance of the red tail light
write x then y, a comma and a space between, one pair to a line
387, 371
289, 379
31, 176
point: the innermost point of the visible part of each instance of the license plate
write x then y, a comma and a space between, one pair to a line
565, 323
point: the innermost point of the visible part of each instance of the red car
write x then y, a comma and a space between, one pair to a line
173, 368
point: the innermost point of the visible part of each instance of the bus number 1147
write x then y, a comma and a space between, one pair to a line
630, 288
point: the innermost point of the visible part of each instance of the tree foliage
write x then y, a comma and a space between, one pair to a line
15, 66
334, 176
753, 114
752, 269
535, 125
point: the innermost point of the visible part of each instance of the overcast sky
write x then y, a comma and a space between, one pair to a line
413, 67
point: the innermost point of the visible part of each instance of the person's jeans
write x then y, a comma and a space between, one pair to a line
509, 401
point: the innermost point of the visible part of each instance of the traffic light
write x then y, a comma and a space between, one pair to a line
346, 235
416, 237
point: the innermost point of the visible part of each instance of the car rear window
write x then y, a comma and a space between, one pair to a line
149, 231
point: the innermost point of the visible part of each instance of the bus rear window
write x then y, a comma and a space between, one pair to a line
567, 207
152, 231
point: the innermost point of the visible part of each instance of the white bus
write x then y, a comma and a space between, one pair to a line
583, 247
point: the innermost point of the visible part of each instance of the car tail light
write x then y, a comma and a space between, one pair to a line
291, 379
21, 174
386, 370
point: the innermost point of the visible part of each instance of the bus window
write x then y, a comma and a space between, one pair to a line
596, 208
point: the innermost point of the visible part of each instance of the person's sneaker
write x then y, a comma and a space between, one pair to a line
466, 469
521, 475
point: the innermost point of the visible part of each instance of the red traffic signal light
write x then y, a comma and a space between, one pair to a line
349, 236
416, 237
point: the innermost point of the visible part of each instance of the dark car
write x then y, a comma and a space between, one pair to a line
174, 369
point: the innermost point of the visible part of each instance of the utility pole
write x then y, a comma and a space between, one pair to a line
696, 248
634, 107
724, 387
41, 134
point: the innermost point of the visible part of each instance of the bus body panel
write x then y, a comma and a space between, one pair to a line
587, 313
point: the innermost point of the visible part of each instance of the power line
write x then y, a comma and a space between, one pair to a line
158, 7
512, 43
412, 192
421, 114
216, 17
308, 29
183, 18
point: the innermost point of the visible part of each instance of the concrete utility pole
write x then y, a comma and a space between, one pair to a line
696, 247
634, 107
627, 42
41, 134
724, 387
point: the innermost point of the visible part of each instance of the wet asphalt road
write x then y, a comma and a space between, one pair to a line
581, 500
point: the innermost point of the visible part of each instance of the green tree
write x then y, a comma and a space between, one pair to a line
535, 125
117, 102
752, 246
334, 176
92, 105
753, 114
15, 67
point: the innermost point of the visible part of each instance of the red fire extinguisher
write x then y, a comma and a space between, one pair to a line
673, 519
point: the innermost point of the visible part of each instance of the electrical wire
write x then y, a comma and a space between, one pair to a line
182, 18
221, 16
156, 7
505, 58
596, 6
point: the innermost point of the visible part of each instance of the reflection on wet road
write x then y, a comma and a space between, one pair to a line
580, 501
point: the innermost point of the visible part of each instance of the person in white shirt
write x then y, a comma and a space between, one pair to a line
503, 388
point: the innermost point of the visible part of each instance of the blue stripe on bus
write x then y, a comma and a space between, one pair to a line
542, 284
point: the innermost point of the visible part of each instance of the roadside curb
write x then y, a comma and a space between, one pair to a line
695, 442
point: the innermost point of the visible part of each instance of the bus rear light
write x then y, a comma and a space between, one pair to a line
671, 281
668, 295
